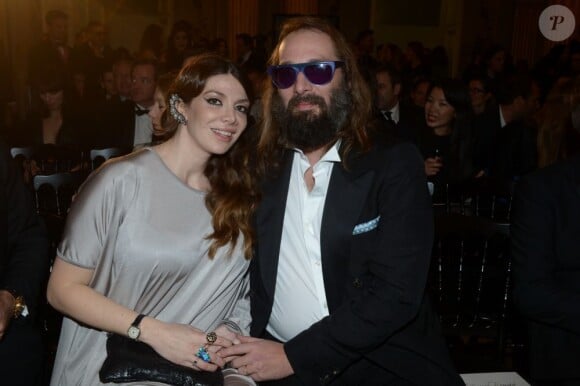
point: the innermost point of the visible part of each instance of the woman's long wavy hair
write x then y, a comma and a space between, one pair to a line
353, 134
233, 194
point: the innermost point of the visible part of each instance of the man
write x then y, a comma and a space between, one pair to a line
53, 51
344, 233
546, 266
124, 120
93, 57
23, 270
122, 78
144, 79
505, 141
247, 56
391, 114
364, 45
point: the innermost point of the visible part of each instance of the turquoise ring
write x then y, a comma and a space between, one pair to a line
203, 354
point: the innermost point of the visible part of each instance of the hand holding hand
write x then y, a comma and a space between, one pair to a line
180, 343
225, 332
259, 358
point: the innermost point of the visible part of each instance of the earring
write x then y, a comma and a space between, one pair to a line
173, 101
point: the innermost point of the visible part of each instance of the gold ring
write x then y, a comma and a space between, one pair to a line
211, 337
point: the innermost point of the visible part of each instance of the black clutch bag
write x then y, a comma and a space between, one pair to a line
132, 361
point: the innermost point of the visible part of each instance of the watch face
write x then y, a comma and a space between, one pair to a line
133, 332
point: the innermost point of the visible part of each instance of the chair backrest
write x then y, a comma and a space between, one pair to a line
53, 193
470, 276
25, 152
98, 156
52, 158
484, 197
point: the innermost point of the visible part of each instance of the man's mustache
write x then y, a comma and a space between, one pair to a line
313, 99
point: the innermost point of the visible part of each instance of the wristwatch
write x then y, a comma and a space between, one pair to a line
134, 331
20, 308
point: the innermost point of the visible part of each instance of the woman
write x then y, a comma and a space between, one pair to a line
151, 45
479, 94
54, 122
447, 143
160, 106
179, 45
163, 232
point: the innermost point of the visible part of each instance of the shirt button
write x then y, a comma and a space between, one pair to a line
357, 283
325, 306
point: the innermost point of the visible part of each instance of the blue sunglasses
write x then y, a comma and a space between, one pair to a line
319, 73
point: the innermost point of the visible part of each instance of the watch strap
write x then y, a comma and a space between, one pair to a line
137, 320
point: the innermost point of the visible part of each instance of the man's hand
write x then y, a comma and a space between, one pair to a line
6, 310
261, 359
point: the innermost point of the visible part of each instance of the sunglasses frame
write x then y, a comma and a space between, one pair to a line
300, 67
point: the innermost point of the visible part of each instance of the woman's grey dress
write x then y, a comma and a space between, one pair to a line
142, 231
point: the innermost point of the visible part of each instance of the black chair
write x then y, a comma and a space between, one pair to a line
470, 279
26, 152
23, 158
57, 159
99, 156
53, 193
484, 197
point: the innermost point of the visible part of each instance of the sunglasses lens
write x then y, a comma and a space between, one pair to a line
320, 73
283, 77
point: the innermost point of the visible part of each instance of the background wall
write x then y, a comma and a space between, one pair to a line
461, 26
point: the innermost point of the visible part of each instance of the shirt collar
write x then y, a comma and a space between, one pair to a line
331, 155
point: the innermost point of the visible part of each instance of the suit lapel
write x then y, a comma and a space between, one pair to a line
347, 193
270, 219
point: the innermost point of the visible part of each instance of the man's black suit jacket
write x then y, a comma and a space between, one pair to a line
504, 152
409, 128
23, 268
546, 263
374, 280
115, 124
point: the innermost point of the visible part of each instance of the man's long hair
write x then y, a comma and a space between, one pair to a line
353, 133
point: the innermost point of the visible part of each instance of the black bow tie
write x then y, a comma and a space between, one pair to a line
139, 111
388, 115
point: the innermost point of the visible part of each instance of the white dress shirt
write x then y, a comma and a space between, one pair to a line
395, 113
143, 128
300, 297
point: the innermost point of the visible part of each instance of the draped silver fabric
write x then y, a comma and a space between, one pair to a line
142, 231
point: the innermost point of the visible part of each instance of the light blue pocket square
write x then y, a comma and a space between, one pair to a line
366, 226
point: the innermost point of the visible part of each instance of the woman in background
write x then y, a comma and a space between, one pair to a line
447, 146
179, 45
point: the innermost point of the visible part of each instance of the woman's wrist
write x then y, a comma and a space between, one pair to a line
149, 327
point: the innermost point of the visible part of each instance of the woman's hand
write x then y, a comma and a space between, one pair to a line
433, 165
179, 343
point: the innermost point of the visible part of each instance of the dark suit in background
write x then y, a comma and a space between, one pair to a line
114, 124
503, 152
380, 322
23, 269
546, 256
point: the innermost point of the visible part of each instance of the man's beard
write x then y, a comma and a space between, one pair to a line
307, 130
